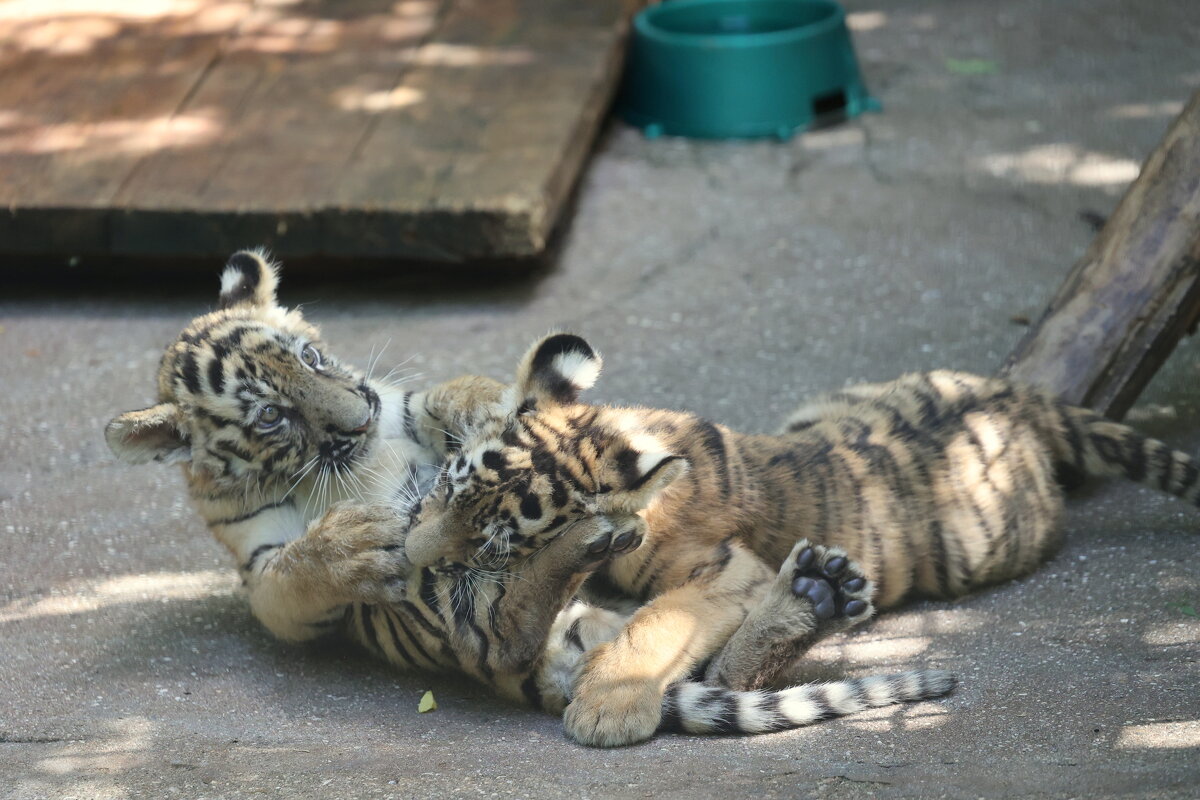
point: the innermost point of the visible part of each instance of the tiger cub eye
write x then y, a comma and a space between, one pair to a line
311, 356
269, 416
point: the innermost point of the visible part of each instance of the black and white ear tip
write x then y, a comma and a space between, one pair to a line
580, 369
249, 277
567, 362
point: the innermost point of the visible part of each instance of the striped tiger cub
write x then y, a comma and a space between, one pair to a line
932, 485
308, 471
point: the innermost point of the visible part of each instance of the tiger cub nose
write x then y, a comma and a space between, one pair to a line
365, 425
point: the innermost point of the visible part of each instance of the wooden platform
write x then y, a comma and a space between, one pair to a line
430, 129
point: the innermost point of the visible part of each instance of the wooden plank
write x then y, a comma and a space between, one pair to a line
506, 101
85, 90
1136, 292
290, 90
293, 90
429, 129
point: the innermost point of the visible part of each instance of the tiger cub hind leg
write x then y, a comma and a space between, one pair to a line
818, 591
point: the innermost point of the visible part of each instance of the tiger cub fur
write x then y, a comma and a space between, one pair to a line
932, 485
308, 471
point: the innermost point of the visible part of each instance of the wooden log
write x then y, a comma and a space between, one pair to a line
1134, 294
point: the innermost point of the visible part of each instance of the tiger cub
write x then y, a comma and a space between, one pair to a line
308, 471
932, 485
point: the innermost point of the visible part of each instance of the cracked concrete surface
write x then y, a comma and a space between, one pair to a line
730, 278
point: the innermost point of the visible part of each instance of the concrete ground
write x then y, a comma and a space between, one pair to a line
733, 279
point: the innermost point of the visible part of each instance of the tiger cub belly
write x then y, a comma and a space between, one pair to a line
945, 516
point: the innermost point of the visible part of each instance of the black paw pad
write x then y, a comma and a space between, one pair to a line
834, 566
831, 582
623, 541
819, 593
806, 558
600, 545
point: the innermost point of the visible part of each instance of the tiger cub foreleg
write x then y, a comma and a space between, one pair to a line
818, 591
352, 554
618, 699
521, 617
500, 629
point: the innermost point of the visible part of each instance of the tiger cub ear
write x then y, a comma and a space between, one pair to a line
556, 369
638, 475
150, 434
249, 278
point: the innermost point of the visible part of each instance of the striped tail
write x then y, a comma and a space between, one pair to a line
1100, 447
700, 708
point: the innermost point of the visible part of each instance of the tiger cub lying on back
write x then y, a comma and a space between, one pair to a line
280, 444
934, 484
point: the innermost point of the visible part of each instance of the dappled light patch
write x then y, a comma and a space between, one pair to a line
833, 138
77, 27
876, 720
921, 716
81, 597
881, 650
441, 54
860, 21
64, 37
114, 135
1172, 633
1163, 109
924, 717
1158, 735
355, 99
941, 621
1061, 163
874, 647
131, 738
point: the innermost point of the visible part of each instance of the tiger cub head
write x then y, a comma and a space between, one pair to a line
539, 462
248, 397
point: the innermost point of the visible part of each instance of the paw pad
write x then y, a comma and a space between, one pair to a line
609, 545
834, 565
600, 545
629, 540
818, 592
832, 582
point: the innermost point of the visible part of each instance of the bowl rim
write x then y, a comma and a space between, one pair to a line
644, 25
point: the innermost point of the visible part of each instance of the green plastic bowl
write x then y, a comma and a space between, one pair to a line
722, 69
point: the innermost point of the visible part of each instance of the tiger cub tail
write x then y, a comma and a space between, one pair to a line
1100, 447
703, 709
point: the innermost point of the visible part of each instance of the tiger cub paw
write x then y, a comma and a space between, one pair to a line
835, 586
612, 712
361, 551
604, 544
